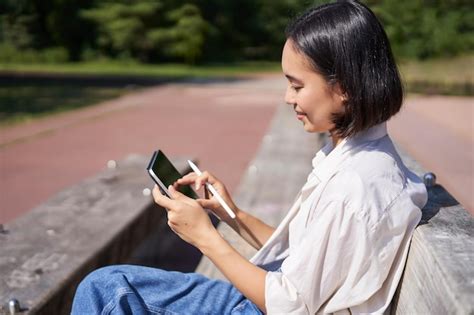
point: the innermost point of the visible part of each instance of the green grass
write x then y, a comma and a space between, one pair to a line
20, 102
442, 76
451, 76
137, 69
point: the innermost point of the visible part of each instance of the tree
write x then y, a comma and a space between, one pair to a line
147, 29
185, 38
211, 30
41, 24
422, 29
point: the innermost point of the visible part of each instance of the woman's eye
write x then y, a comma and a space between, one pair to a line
296, 88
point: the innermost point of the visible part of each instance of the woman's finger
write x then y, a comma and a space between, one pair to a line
199, 182
206, 203
161, 199
205, 177
210, 178
176, 195
187, 179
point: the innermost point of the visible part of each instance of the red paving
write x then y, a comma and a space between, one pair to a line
438, 132
219, 124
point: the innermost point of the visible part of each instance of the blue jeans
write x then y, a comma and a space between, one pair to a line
126, 289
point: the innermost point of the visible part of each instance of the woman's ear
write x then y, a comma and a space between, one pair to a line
344, 97
340, 93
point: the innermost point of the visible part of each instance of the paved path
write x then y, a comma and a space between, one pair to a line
221, 124
438, 132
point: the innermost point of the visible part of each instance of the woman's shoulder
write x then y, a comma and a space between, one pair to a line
372, 169
370, 183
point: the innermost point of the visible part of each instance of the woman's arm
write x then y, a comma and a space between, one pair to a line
253, 230
245, 276
189, 221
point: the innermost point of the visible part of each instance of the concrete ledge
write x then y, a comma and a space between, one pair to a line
439, 273
103, 220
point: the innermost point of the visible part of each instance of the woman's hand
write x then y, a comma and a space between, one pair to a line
186, 217
212, 203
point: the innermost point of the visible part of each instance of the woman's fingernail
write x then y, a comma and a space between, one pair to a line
197, 186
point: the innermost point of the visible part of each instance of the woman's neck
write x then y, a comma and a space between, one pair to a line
335, 139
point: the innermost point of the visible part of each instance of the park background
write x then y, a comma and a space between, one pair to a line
433, 42
61, 56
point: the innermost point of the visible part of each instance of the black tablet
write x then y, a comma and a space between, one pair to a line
163, 173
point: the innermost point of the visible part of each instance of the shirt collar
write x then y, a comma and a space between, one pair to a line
371, 134
329, 157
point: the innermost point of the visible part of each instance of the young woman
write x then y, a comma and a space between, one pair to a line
343, 244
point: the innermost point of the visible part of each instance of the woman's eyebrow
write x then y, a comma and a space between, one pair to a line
293, 79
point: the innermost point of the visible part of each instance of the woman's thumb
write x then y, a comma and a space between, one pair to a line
174, 193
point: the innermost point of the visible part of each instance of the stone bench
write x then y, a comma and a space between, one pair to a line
103, 220
439, 274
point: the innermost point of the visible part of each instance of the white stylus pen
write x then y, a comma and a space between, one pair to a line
213, 191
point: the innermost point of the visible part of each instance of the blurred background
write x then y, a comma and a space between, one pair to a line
433, 42
200, 31
58, 56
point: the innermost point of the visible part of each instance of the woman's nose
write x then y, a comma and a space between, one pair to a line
289, 96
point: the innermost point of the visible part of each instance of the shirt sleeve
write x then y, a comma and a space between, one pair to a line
330, 269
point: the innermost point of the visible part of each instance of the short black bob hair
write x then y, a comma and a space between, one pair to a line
347, 45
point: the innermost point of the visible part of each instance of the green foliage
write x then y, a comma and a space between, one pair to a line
197, 31
40, 24
122, 26
144, 30
11, 54
422, 29
15, 31
274, 17
185, 38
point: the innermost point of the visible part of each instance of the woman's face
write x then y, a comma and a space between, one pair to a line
313, 100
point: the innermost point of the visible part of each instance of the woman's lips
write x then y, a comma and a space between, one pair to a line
300, 115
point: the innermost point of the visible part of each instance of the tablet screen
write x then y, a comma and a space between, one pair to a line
164, 174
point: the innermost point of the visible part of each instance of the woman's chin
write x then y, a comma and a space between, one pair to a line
313, 129
309, 128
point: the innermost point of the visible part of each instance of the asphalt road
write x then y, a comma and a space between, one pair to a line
220, 124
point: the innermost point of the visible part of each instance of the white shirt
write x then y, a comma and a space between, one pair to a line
345, 240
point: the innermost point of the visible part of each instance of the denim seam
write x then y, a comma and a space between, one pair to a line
121, 292
111, 305
158, 310
240, 306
